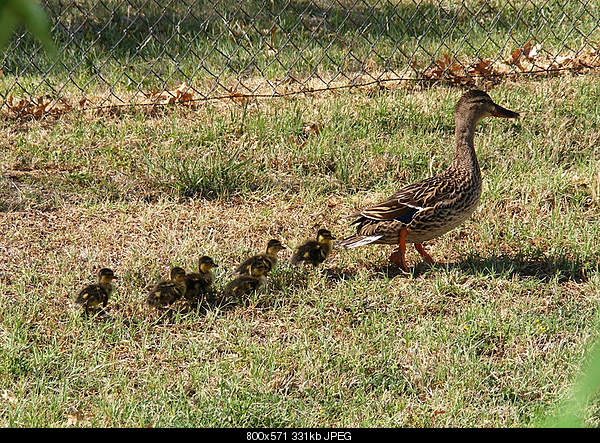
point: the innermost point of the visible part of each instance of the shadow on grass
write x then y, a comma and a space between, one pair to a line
265, 298
388, 271
541, 267
337, 274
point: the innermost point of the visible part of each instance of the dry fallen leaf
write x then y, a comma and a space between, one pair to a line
181, 94
44, 105
483, 68
450, 70
73, 419
525, 59
534, 51
516, 54
77, 419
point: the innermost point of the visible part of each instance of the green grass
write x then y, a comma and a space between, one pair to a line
495, 338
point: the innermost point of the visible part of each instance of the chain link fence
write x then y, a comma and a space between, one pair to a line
125, 52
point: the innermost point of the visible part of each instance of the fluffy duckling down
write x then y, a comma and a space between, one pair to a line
198, 284
316, 251
246, 284
167, 292
94, 295
269, 257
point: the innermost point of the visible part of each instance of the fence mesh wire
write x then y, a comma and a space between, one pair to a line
122, 52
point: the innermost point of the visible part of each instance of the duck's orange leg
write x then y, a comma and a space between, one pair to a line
399, 255
419, 247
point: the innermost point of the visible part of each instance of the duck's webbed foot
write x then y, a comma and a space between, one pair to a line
419, 247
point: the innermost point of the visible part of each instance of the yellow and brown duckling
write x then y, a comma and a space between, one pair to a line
430, 208
269, 257
314, 251
198, 284
92, 296
246, 284
167, 292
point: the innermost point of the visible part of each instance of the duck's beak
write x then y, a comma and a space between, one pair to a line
501, 112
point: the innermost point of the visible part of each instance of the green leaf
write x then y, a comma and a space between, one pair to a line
32, 15
8, 21
571, 412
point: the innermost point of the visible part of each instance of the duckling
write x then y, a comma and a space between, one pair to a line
92, 296
314, 252
245, 284
198, 283
269, 257
167, 292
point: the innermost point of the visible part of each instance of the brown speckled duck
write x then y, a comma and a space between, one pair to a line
430, 208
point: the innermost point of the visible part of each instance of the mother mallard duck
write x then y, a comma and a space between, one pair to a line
427, 209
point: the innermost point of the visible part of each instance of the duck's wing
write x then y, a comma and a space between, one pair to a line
91, 295
197, 285
165, 293
244, 268
393, 209
305, 251
385, 219
317, 255
194, 285
405, 204
241, 286
197, 279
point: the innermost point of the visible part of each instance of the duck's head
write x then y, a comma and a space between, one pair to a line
177, 274
324, 236
476, 104
206, 264
105, 276
259, 268
274, 246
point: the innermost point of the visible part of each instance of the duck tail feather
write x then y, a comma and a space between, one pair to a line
357, 240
